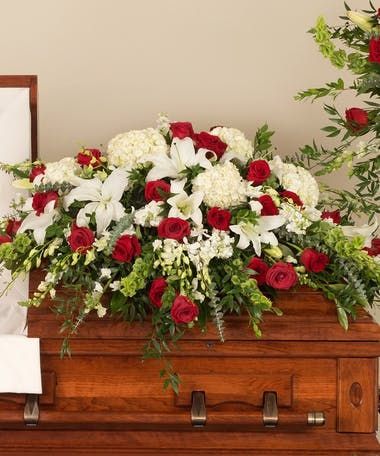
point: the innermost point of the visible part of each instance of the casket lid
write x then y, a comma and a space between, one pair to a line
26, 81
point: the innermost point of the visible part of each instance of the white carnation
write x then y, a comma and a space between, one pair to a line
126, 150
297, 180
149, 215
222, 186
65, 170
238, 146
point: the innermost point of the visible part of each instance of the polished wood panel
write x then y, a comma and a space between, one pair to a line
357, 385
29, 81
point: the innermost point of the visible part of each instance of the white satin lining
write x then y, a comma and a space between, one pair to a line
15, 147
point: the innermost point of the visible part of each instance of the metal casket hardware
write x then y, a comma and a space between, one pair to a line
316, 418
31, 410
270, 409
198, 408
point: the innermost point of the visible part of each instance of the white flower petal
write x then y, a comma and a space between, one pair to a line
115, 185
103, 217
84, 214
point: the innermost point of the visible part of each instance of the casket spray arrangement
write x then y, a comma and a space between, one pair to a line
180, 227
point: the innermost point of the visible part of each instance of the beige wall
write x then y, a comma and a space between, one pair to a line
109, 66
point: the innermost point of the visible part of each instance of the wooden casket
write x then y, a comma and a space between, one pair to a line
307, 387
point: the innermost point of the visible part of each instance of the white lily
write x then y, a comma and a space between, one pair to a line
105, 199
258, 234
39, 223
186, 207
182, 155
366, 231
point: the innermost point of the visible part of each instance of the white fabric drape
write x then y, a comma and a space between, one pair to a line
15, 147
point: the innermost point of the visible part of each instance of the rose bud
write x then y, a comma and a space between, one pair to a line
173, 228
258, 171
152, 188
5, 238
269, 207
314, 261
281, 276
374, 50
211, 142
80, 239
36, 171
126, 248
334, 216
157, 289
41, 199
87, 157
258, 265
182, 130
12, 227
183, 310
356, 118
287, 194
219, 218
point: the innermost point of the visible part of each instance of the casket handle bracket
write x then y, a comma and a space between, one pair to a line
31, 410
198, 409
270, 409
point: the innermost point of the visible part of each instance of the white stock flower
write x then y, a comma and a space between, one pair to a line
149, 215
296, 222
182, 155
297, 180
65, 170
238, 146
128, 149
39, 223
105, 273
105, 199
222, 186
258, 234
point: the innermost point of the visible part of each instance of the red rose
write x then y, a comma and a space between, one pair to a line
281, 276
88, 157
80, 239
374, 250
12, 227
36, 171
126, 248
211, 142
269, 208
314, 261
356, 118
182, 130
374, 50
156, 291
258, 171
5, 238
173, 228
183, 310
151, 190
292, 196
219, 218
258, 265
40, 200
333, 215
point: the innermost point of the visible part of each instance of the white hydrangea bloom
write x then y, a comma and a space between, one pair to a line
222, 186
238, 146
65, 170
128, 149
149, 215
297, 180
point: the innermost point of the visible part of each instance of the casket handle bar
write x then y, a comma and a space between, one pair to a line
270, 414
31, 410
198, 408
